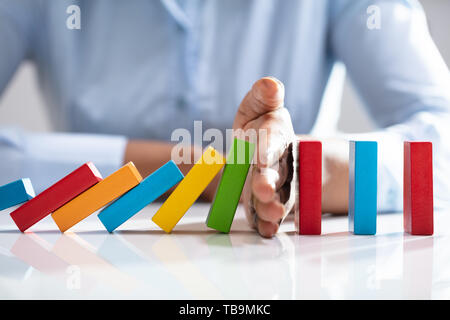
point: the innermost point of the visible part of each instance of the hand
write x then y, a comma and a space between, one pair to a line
269, 192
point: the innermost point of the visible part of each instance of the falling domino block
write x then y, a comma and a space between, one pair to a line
96, 197
15, 193
308, 216
189, 189
362, 211
418, 188
56, 196
230, 187
150, 189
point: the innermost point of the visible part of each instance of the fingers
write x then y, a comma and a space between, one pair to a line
266, 95
273, 195
263, 110
263, 216
272, 211
264, 184
268, 209
266, 229
274, 133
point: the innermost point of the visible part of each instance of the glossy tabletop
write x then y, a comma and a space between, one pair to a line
141, 261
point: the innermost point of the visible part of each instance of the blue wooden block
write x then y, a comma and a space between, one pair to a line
150, 189
362, 206
15, 193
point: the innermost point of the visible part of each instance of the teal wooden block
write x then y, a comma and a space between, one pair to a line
362, 212
15, 193
150, 189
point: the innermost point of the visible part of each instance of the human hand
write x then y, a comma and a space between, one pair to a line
269, 193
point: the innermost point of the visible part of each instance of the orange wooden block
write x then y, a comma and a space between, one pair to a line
97, 197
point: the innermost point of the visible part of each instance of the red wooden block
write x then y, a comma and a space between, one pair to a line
308, 216
418, 188
56, 196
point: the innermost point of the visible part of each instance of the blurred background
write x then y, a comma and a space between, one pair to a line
22, 95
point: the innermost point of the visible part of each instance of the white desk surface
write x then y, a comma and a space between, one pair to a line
141, 261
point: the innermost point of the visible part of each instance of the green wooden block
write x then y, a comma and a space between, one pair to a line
229, 191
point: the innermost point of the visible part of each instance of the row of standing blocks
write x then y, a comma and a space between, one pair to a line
363, 185
124, 193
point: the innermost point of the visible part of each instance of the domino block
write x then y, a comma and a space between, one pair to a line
56, 196
150, 189
230, 187
189, 189
96, 197
308, 216
418, 188
15, 193
362, 204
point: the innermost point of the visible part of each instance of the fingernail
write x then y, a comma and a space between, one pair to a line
280, 84
273, 89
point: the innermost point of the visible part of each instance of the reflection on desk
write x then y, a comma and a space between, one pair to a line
141, 261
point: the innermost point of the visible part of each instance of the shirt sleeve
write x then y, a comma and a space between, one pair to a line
47, 157
403, 81
43, 157
16, 18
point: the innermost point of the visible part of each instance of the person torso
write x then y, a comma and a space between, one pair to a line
144, 68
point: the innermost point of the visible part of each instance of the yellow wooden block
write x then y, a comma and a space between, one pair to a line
189, 189
96, 197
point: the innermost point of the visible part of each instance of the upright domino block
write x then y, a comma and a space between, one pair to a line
418, 188
15, 193
57, 195
362, 211
96, 197
308, 217
229, 191
150, 189
189, 189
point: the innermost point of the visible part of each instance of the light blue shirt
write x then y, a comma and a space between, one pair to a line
140, 69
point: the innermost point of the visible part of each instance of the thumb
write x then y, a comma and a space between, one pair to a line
266, 95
